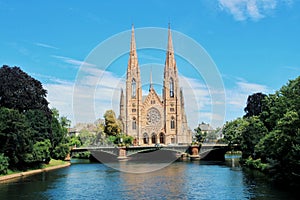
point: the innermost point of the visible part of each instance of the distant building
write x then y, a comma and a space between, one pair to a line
91, 127
206, 128
153, 119
72, 132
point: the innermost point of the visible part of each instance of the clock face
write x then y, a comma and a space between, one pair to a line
153, 116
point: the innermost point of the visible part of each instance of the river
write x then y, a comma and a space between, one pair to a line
179, 180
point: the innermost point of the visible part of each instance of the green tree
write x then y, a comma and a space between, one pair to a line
20, 91
111, 127
59, 137
15, 137
86, 137
282, 145
199, 135
254, 104
75, 141
232, 131
252, 132
3, 164
61, 151
41, 151
39, 123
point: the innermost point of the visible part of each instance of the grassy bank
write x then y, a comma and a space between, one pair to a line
53, 164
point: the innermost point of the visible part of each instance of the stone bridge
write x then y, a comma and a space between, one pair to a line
160, 153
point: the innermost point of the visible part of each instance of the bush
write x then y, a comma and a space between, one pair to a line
256, 164
61, 151
3, 164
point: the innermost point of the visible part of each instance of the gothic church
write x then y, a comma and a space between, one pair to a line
153, 119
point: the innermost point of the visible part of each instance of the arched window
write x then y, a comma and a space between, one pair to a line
172, 123
134, 123
146, 138
153, 138
162, 138
171, 87
133, 88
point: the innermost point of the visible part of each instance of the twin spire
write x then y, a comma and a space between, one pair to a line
133, 45
133, 60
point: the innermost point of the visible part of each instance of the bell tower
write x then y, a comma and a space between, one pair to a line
171, 95
133, 92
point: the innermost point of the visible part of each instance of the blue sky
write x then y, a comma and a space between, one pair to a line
254, 44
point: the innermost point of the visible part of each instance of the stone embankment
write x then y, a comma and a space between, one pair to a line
31, 172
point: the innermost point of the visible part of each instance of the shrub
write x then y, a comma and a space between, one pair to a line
3, 164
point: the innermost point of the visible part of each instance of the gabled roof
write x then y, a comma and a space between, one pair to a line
152, 95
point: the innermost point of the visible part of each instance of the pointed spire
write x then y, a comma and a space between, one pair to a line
132, 43
170, 43
151, 87
133, 61
122, 110
121, 104
122, 97
170, 59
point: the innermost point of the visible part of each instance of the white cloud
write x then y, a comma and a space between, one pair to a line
73, 62
236, 97
251, 87
251, 9
45, 45
95, 93
60, 94
202, 103
99, 91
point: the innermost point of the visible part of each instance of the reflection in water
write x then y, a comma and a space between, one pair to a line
180, 180
154, 185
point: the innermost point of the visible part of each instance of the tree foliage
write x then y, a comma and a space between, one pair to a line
199, 135
3, 164
30, 133
15, 137
86, 137
270, 132
41, 151
254, 104
112, 127
61, 151
20, 91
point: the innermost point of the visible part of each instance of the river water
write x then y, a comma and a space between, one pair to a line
179, 180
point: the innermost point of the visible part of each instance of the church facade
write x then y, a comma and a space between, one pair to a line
152, 119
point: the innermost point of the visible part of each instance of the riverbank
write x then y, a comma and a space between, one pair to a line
32, 172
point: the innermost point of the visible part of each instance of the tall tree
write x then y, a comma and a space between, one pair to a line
20, 91
252, 132
15, 137
41, 126
254, 104
199, 135
58, 136
232, 131
111, 127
